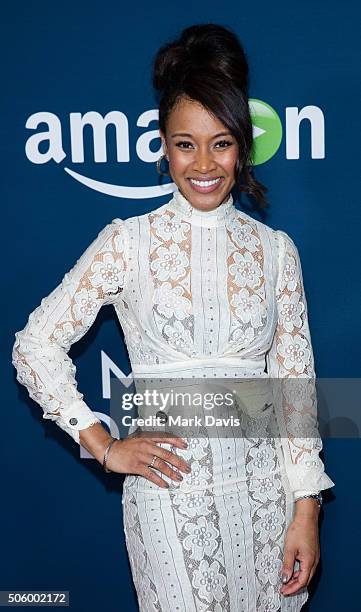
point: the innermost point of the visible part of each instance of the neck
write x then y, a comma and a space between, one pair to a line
202, 209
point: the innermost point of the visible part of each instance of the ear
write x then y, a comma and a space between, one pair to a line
164, 143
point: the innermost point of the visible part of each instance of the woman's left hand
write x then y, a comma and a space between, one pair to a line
302, 543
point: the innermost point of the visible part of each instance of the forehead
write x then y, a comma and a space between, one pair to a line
190, 116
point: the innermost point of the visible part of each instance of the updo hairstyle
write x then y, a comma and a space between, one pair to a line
207, 64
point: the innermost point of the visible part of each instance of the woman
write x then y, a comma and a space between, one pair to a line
202, 290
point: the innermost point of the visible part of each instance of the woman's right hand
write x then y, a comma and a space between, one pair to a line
133, 454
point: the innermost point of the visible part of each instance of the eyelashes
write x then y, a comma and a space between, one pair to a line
225, 143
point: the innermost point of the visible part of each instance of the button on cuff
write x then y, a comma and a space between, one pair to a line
77, 415
73, 430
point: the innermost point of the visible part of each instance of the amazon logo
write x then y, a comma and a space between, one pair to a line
45, 144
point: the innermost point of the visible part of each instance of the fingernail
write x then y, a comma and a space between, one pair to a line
284, 578
179, 477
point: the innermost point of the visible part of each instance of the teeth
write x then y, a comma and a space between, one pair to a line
205, 183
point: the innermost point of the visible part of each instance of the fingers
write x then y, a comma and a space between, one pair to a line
173, 441
299, 579
148, 473
288, 564
163, 458
171, 458
147, 448
163, 467
150, 448
312, 573
165, 438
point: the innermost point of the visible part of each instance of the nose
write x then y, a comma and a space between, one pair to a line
204, 161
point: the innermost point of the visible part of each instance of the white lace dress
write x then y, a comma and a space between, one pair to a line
213, 294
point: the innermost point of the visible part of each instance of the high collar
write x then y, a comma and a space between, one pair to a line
205, 218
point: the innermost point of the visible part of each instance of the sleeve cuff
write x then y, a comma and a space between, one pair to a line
300, 492
74, 417
302, 479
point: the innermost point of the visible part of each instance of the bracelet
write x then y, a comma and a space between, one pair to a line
317, 496
106, 453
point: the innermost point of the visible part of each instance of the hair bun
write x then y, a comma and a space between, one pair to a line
209, 48
167, 66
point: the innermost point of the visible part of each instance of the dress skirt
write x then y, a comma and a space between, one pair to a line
214, 541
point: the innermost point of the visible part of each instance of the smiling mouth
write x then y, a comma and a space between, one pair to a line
206, 182
204, 185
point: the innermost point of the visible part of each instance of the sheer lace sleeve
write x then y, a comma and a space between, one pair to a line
62, 318
290, 363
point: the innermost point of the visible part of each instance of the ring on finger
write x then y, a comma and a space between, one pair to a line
153, 461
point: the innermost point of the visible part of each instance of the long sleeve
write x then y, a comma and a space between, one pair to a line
290, 363
40, 352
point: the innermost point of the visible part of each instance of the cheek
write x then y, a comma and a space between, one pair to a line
229, 161
177, 162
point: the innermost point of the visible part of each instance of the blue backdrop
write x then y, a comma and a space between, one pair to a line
61, 515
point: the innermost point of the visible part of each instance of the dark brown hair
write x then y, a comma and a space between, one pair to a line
207, 63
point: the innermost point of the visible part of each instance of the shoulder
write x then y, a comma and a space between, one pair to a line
281, 244
124, 229
286, 245
280, 240
114, 227
128, 221
260, 227
111, 237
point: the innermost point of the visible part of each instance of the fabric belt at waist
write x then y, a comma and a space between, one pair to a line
222, 365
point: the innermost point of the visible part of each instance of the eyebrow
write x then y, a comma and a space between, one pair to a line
190, 135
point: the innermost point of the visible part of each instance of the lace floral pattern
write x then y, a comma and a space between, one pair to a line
246, 282
291, 365
63, 317
170, 268
226, 545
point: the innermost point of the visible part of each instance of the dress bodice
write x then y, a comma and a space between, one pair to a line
203, 289
197, 293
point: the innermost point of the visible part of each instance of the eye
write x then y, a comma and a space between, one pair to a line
225, 143
183, 142
186, 144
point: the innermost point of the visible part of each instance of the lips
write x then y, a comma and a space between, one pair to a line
204, 178
205, 185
